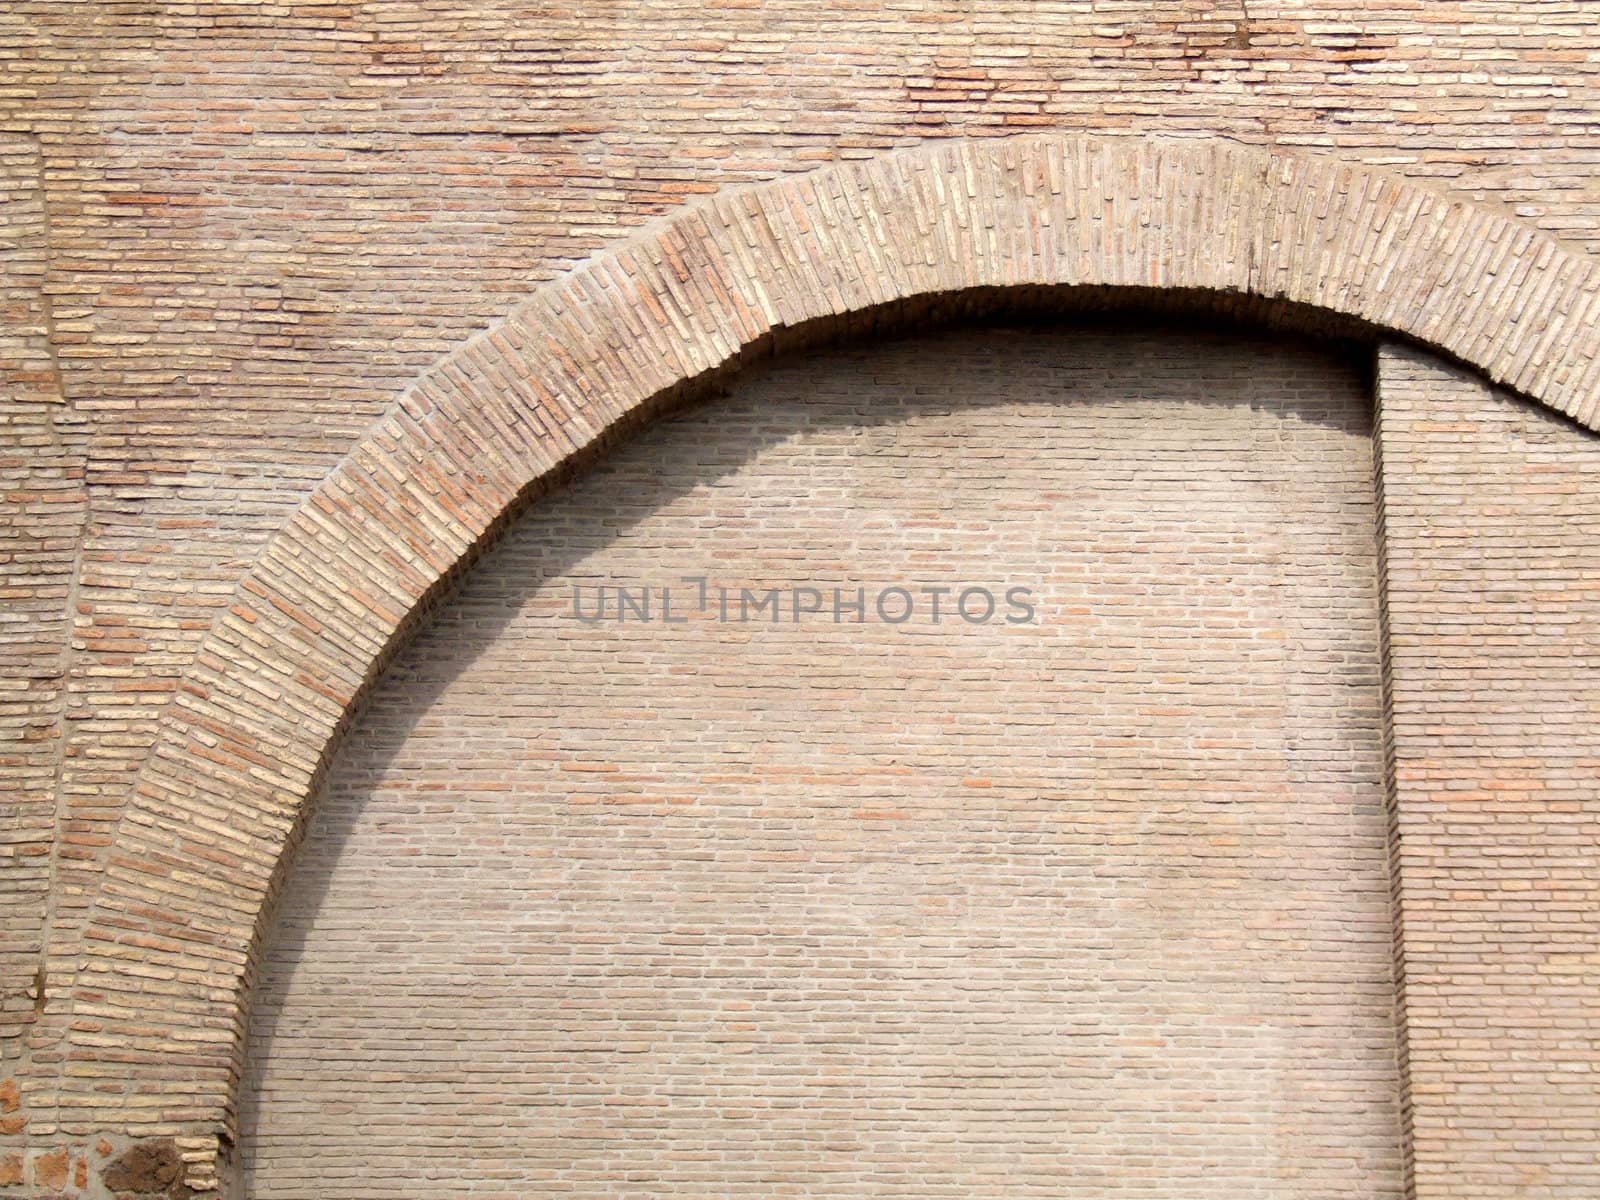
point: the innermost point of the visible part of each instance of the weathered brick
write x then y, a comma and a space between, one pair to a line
235, 237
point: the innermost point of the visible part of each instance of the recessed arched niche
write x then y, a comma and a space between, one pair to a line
795, 898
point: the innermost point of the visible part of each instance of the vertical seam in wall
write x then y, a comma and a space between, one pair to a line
68, 652
1391, 789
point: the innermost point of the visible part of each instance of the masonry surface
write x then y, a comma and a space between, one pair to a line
867, 909
235, 236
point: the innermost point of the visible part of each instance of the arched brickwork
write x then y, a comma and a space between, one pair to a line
157, 999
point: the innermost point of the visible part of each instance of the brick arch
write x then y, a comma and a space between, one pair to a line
240, 750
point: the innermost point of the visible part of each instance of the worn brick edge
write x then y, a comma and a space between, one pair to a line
153, 1010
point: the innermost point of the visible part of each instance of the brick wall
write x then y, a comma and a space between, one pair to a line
232, 234
41, 479
1491, 513
1096, 905
266, 218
